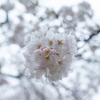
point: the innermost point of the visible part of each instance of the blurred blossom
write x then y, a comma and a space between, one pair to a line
20, 23
7, 6
84, 5
64, 11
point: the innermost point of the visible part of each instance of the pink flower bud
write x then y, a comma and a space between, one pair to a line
53, 51
42, 48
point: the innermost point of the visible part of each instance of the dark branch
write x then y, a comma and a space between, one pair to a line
6, 21
93, 34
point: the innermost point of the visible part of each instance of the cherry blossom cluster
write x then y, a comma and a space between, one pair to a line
49, 54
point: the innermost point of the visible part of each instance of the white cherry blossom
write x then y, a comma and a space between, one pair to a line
49, 54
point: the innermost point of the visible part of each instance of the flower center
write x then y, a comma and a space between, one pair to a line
50, 42
60, 62
60, 42
47, 58
57, 54
39, 53
39, 46
47, 51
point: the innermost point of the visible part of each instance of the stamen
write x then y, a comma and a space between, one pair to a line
60, 42
60, 62
50, 42
47, 51
39, 46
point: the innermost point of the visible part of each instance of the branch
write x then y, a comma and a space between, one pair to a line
18, 76
93, 34
6, 21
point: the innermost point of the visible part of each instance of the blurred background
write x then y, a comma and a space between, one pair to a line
19, 18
